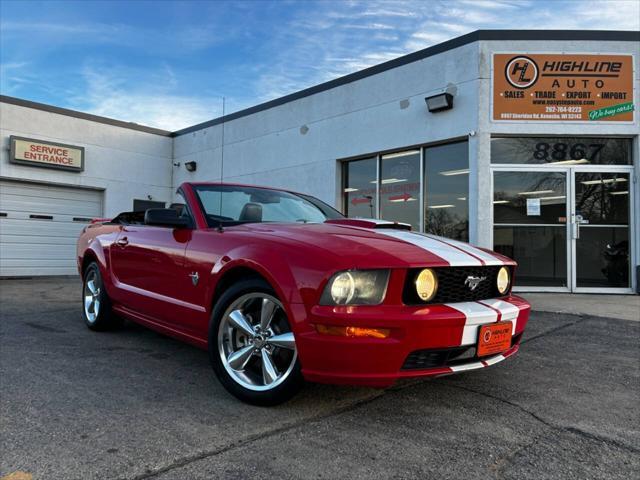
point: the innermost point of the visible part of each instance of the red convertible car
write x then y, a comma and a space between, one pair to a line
280, 287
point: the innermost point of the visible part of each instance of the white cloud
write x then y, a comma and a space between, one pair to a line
106, 92
337, 38
48, 34
169, 112
14, 76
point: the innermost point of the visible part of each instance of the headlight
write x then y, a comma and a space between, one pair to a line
426, 284
502, 280
356, 287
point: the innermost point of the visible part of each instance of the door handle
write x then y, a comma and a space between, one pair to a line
575, 230
122, 242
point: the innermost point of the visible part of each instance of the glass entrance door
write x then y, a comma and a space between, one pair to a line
600, 231
569, 228
530, 212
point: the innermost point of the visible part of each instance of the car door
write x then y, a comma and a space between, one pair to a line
147, 262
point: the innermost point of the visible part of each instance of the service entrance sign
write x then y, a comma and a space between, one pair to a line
38, 153
562, 87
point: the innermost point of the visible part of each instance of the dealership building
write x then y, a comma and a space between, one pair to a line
525, 142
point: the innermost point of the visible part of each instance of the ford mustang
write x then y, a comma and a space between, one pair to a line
281, 288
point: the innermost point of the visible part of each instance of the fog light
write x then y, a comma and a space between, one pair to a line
502, 281
353, 331
426, 284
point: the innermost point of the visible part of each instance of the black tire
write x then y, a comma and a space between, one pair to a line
285, 388
104, 319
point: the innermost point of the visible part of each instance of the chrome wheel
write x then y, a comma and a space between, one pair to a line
92, 296
255, 342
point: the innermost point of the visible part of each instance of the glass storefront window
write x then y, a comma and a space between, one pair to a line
561, 151
447, 190
359, 188
400, 187
445, 184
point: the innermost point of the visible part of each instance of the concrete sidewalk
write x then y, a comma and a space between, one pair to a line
626, 307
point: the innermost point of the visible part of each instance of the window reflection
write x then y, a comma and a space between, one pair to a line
602, 256
359, 190
400, 187
530, 216
445, 183
561, 150
529, 197
603, 198
541, 253
602, 251
447, 190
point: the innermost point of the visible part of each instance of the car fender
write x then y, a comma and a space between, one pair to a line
97, 248
267, 262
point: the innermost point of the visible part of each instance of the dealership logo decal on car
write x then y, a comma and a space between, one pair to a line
473, 282
487, 336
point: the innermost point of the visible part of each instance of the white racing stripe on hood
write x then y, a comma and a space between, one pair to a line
487, 258
475, 314
378, 221
452, 255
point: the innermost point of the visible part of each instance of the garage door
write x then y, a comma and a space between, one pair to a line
39, 225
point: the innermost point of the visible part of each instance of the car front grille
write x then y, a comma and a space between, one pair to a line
452, 287
421, 359
445, 357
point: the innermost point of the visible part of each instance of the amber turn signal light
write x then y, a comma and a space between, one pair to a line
353, 331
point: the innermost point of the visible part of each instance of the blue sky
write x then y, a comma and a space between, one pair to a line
168, 63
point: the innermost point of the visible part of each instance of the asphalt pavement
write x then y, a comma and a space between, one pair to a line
132, 404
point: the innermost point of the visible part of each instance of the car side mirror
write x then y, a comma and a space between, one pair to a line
165, 217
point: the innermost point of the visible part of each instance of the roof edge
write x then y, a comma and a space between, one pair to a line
475, 36
85, 116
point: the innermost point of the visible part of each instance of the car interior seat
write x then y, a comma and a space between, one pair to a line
251, 212
179, 208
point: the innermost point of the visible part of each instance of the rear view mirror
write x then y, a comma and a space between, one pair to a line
264, 197
165, 217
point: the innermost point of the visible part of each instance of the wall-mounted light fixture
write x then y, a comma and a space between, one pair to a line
439, 102
191, 166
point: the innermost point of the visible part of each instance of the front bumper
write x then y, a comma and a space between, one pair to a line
380, 362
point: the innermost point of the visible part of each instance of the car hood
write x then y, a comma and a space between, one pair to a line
374, 243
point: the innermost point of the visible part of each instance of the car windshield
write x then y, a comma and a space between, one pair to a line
230, 204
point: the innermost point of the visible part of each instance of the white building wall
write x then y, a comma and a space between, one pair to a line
125, 163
